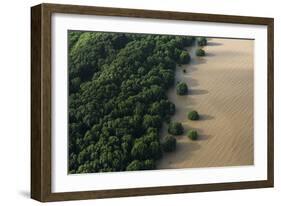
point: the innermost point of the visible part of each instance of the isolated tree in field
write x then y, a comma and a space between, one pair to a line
181, 88
200, 52
175, 128
184, 57
169, 144
193, 115
192, 134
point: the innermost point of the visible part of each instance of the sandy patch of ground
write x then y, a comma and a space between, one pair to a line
221, 90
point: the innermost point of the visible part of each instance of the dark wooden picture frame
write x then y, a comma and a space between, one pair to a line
41, 101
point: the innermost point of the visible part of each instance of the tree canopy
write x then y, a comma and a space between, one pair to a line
200, 52
175, 128
117, 98
182, 88
202, 41
192, 134
193, 115
169, 143
184, 57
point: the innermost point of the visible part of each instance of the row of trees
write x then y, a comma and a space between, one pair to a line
193, 115
117, 99
176, 128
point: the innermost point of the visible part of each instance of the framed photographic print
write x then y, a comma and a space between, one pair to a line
132, 102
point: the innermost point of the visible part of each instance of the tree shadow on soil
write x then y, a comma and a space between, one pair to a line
184, 151
214, 44
192, 82
209, 54
198, 61
198, 91
204, 117
203, 137
189, 69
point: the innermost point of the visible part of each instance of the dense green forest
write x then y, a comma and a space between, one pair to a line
117, 99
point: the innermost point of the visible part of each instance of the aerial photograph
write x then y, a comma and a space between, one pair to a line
155, 102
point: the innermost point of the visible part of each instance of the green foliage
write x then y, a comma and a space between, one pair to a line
134, 165
184, 57
202, 41
75, 84
169, 144
155, 150
140, 150
175, 128
192, 134
117, 98
149, 165
193, 115
151, 121
188, 41
141, 165
200, 52
73, 37
182, 88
